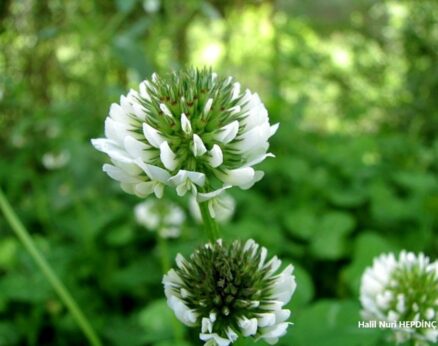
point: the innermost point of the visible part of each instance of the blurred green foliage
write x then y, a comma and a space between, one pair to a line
354, 85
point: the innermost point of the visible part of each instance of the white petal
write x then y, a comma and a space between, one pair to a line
250, 244
227, 133
235, 91
266, 319
139, 111
137, 149
182, 312
285, 285
144, 189
128, 188
185, 180
111, 148
234, 110
165, 110
115, 131
258, 175
254, 139
127, 165
274, 263
273, 129
202, 197
158, 190
167, 156
185, 124
231, 334
196, 177
248, 326
118, 174
259, 159
282, 315
216, 157
152, 135
207, 106
219, 340
180, 260
117, 113
199, 148
144, 91
172, 279
263, 255
179, 178
154, 172
222, 207
275, 331
207, 326
182, 189
194, 209
238, 177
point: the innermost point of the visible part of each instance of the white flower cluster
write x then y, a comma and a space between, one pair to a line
191, 130
403, 289
231, 290
166, 218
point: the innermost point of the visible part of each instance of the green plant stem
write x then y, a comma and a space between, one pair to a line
65, 296
165, 266
164, 253
210, 224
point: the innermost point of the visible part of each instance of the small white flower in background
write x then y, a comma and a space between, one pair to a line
221, 208
53, 160
403, 289
229, 291
151, 6
190, 130
166, 218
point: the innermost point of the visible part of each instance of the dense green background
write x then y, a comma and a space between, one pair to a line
354, 85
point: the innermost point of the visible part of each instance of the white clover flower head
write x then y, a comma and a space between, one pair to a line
231, 290
403, 289
220, 207
190, 130
166, 218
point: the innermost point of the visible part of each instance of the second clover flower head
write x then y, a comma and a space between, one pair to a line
190, 130
231, 290
403, 289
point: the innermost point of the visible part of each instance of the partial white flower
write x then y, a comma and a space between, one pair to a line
165, 218
221, 207
53, 160
190, 121
403, 289
231, 290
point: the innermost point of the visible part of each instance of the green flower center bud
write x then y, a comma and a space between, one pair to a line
414, 292
228, 290
225, 280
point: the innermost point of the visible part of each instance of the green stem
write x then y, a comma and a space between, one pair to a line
210, 224
165, 266
24, 236
164, 253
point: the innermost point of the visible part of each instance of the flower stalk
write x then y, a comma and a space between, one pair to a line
63, 293
210, 224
